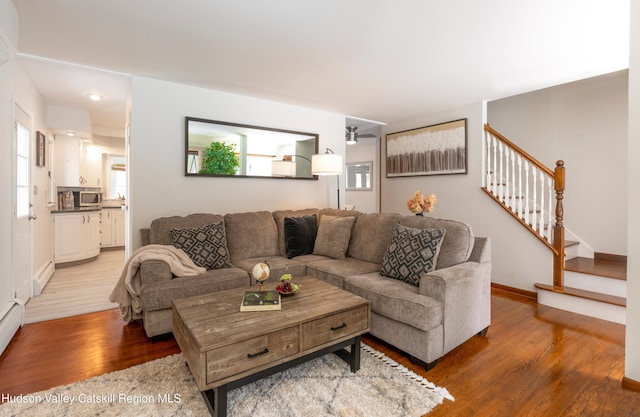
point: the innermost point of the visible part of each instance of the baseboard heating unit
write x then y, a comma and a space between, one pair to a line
10, 323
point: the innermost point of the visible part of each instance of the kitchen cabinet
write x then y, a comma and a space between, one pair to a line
112, 228
76, 236
77, 163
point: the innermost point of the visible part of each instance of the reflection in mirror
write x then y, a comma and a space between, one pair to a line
359, 176
215, 148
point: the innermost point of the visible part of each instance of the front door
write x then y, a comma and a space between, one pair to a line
22, 205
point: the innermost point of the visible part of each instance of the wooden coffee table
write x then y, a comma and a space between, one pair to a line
226, 348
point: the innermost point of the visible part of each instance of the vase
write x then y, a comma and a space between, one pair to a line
419, 214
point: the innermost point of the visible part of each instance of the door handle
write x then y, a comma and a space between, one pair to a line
34, 217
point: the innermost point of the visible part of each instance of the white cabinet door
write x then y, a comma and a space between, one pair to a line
68, 232
68, 162
76, 236
92, 166
106, 236
118, 228
92, 233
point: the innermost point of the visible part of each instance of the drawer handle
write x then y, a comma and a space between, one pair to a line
255, 355
342, 326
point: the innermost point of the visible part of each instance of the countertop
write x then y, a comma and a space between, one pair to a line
77, 210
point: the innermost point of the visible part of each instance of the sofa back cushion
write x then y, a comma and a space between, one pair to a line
371, 236
457, 243
279, 217
160, 231
251, 235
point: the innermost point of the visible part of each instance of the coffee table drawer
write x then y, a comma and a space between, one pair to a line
252, 353
335, 326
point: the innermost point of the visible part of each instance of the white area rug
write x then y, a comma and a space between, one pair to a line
165, 387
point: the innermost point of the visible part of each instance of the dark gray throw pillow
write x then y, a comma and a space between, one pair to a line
206, 245
411, 253
300, 235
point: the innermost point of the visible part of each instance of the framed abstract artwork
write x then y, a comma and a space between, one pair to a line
432, 150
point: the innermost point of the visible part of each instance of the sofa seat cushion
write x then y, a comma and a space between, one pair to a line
278, 265
159, 295
334, 271
457, 243
396, 300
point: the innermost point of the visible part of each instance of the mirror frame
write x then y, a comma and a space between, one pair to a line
346, 176
271, 130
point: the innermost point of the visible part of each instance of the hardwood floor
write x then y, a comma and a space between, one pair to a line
535, 361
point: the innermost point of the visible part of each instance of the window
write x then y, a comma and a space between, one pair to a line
22, 170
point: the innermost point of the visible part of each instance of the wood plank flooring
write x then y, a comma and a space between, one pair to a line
535, 361
78, 289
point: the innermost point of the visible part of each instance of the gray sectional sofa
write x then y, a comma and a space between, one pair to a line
425, 315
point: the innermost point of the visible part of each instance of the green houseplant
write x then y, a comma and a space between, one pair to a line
220, 159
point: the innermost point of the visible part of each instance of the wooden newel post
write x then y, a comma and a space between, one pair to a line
558, 228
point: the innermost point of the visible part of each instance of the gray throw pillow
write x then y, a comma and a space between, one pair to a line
300, 235
206, 245
411, 253
333, 236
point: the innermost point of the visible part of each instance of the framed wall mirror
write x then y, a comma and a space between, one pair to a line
215, 148
358, 176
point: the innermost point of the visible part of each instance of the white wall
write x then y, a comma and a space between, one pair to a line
585, 124
366, 150
632, 343
6, 212
158, 186
518, 259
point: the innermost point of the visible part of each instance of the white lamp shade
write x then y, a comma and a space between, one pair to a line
326, 164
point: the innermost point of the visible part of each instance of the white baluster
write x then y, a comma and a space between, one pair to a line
513, 182
500, 172
542, 231
495, 166
526, 192
521, 197
550, 209
534, 216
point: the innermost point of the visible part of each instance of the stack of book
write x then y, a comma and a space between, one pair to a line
260, 301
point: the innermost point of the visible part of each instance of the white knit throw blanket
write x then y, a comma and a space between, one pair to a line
127, 290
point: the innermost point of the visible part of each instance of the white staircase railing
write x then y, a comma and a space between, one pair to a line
526, 189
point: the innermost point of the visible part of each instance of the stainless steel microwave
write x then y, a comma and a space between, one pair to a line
87, 198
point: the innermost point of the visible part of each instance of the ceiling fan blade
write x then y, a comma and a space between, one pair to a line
366, 135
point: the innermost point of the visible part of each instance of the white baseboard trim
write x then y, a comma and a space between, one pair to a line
40, 281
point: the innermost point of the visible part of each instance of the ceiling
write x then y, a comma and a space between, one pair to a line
371, 60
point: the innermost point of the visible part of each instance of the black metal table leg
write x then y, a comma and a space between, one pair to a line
216, 400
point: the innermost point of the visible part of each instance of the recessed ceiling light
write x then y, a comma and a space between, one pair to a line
94, 96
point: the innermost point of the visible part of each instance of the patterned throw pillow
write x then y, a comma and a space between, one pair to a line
206, 245
411, 253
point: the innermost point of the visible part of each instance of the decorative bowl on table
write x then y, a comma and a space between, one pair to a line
287, 288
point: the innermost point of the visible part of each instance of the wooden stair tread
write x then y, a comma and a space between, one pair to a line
589, 295
610, 268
